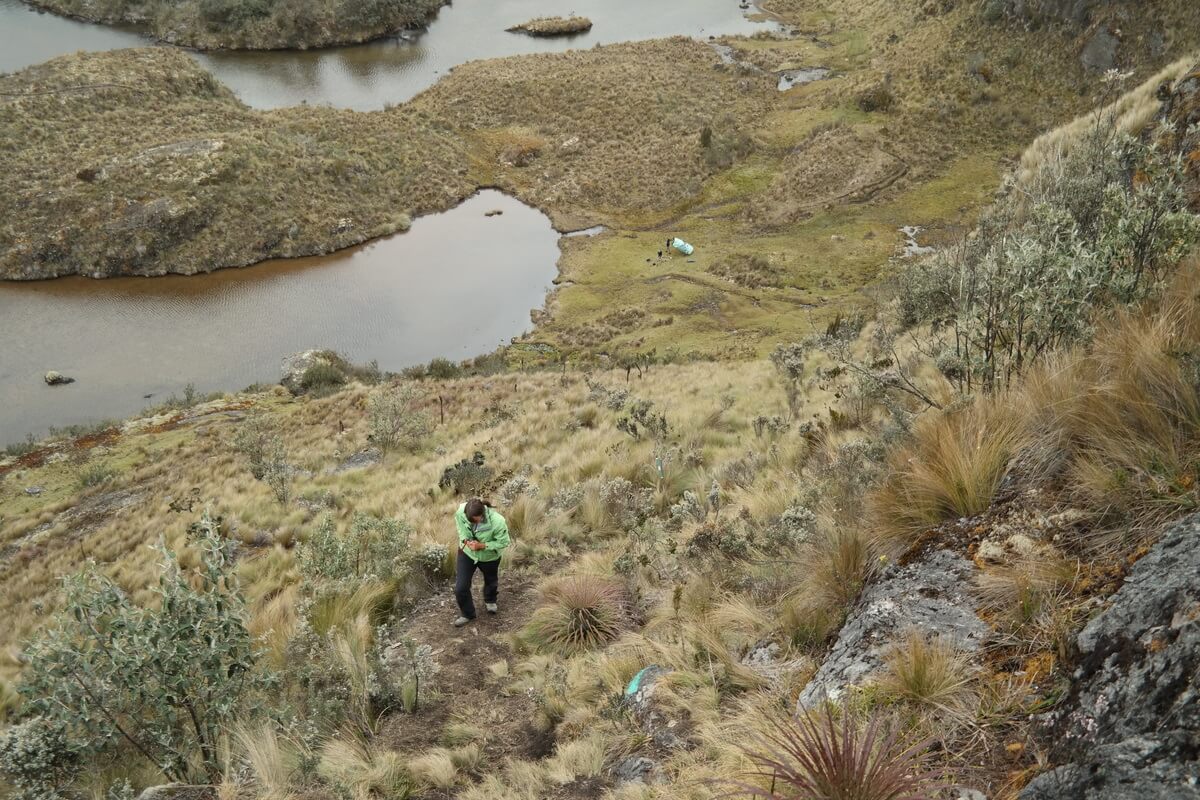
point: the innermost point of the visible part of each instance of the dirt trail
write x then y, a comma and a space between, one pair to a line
467, 690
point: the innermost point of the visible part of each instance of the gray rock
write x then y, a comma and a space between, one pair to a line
1100, 52
667, 728
295, 366
638, 769
179, 791
57, 378
931, 596
33, 491
1131, 724
363, 458
963, 793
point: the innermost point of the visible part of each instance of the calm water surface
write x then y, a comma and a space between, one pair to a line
456, 285
390, 70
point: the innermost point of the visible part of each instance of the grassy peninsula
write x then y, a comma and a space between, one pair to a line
255, 24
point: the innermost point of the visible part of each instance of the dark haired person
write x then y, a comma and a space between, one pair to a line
482, 536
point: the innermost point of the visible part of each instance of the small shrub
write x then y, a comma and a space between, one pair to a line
613, 399
643, 419
38, 758
789, 362
256, 437
175, 673
443, 369
277, 472
796, 526
728, 539
394, 419
816, 755
96, 475
18, 449
878, 97
322, 377
467, 477
517, 486
578, 613
436, 560
373, 548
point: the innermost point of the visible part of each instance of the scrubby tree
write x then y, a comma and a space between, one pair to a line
1097, 227
394, 418
160, 682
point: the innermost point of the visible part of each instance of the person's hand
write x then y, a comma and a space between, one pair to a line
475, 544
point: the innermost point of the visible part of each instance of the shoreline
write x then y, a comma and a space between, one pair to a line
144, 29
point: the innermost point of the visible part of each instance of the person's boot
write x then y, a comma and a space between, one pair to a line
458, 623
492, 608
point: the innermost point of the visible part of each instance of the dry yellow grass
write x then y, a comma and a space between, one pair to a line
1130, 113
952, 470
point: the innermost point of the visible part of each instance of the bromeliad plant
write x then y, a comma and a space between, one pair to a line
161, 682
816, 756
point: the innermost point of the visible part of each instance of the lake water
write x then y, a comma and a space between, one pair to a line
456, 285
392, 70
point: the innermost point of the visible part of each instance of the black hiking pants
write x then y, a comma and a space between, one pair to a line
464, 571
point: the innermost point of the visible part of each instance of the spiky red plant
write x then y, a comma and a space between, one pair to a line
817, 757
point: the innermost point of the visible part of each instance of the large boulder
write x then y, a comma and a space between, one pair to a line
1130, 727
295, 366
931, 596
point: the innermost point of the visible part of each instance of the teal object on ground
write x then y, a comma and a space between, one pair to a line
682, 246
636, 682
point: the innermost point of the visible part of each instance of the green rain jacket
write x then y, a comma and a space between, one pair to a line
493, 532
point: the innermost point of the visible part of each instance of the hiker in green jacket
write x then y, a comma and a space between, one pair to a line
482, 536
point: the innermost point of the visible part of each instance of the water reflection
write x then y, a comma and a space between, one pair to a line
392, 70
456, 285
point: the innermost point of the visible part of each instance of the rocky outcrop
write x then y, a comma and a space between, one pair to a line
1075, 13
931, 596
1130, 727
1181, 121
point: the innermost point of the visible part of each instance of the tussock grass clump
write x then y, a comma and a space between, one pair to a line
1135, 421
578, 613
952, 469
10, 701
927, 672
435, 768
96, 475
272, 759
363, 770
